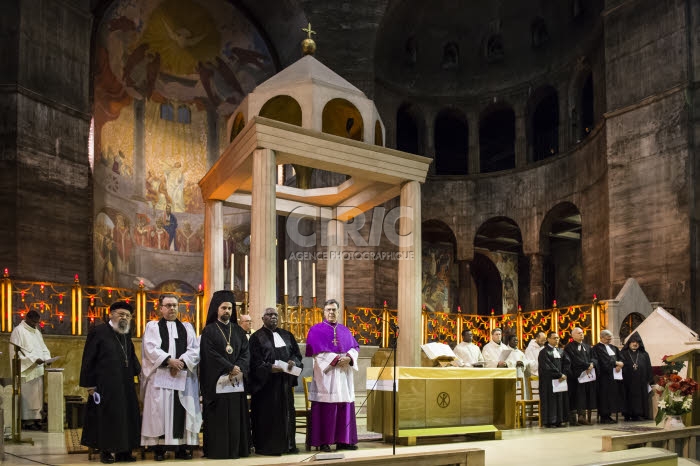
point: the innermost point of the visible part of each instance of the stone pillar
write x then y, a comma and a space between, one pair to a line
57, 404
139, 150
409, 305
335, 273
474, 153
521, 147
263, 231
536, 281
213, 252
564, 119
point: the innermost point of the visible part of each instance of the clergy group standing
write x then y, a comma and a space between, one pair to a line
274, 354
27, 341
582, 384
172, 416
553, 367
332, 391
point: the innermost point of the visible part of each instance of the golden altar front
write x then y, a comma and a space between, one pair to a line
435, 401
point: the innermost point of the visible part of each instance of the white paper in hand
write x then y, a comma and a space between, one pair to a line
50, 360
164, 379
617, 375
585, 378
295, 371
226, 385
558, 387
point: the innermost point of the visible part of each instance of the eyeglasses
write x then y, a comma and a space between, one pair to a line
271, 314
124, 315
171, 306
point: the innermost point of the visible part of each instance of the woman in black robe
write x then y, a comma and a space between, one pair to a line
272, 412
553, 365
610, 390
637, 377
223, 351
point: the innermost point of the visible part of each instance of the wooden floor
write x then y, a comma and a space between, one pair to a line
528, 446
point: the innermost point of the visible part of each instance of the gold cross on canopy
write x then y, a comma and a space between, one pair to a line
308, 30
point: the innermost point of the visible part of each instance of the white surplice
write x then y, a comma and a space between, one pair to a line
516, 356
333, 384
492, 353
33, 349
468, 354
158, 402
532, 352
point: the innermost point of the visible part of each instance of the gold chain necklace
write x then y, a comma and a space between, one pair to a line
229, 348
123, 348
335, 335
634, 363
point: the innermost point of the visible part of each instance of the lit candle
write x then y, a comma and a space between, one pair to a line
232, 276
285, 277
299, 264
245, 266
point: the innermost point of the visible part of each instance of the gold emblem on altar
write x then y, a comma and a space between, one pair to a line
443, 399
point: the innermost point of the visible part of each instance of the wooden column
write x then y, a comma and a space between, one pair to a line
263, 231
335, 273
213, 252
409, 305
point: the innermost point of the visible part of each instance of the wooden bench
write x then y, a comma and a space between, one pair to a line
666, 439
463, 457
484, 432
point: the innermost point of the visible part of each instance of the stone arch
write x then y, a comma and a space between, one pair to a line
410, 129
341, 118
499, 239
543, 124
497, 138
282, 108
629, 324
238, 125
451, 143
561, 247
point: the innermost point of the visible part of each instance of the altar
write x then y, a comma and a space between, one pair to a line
437, 401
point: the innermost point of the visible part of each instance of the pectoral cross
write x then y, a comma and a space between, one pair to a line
335, 337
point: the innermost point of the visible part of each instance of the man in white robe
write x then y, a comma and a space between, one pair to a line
171, 418
532, 353
468, 354
492, 350
32, 354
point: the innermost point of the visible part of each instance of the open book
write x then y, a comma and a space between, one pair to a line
438, 351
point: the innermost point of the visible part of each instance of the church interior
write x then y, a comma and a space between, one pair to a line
545, 151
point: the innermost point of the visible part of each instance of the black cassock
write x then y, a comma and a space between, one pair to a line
610, 391
272, 398
554, 406
636, 381
581, 396
225, 415
110, 364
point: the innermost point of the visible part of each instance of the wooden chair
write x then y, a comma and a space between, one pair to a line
307, 413
526, 409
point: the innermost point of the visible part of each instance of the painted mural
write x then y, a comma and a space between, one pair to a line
507, 265
439, 281
168, 74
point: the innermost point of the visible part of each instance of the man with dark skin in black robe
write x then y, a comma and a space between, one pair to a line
553, 365
636, 377
272, 402
582, 396
112, 420
610, 390
223, 351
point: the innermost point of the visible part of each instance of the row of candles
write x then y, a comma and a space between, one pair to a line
286, 281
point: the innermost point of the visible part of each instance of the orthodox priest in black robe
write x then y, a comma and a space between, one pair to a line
553, 365
223, 351
582, 396
272, 396
610, 390
636, 377
112, 420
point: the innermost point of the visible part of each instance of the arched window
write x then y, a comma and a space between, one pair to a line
341, 118
543, 124
451, 143
497, 139
184, 115
282, 108
450, 56
167, 112
410, 128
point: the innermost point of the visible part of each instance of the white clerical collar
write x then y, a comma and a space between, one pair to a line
28, 327
172, 327
279, 342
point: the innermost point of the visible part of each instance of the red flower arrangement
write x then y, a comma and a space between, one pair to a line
675, 392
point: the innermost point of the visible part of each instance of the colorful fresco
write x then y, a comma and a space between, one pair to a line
439, 282
507, 265
168, 74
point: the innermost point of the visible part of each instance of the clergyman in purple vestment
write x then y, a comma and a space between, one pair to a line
332, 391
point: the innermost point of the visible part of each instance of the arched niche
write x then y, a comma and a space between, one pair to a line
341, 118
410, 129
500, 241
451, 143
282, 108
543, 124
582, 97
497, 138
440, 271
560, 244
629, 324
238, 125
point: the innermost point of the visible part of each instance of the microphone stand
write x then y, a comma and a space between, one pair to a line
17, 397
393, 393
